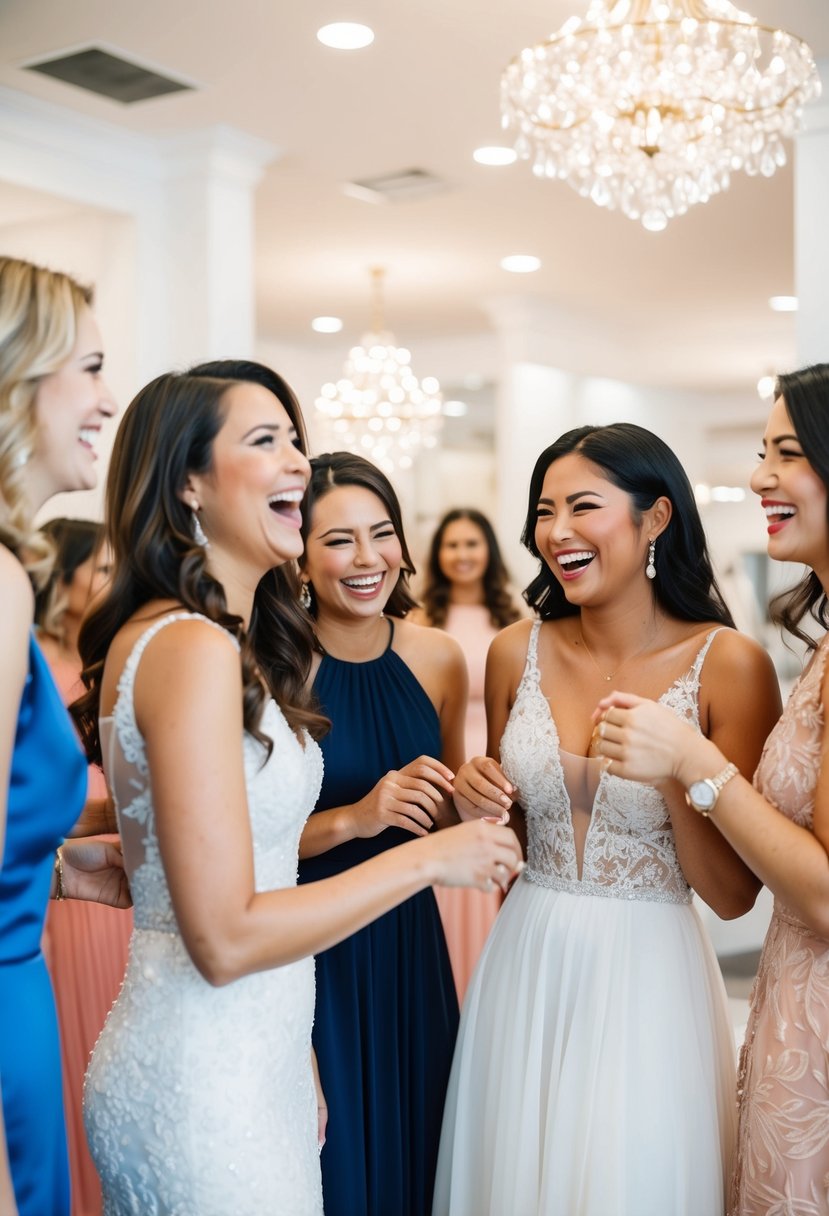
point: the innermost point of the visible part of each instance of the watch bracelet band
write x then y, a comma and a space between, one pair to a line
717, 782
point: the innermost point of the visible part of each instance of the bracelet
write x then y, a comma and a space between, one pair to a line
59, 893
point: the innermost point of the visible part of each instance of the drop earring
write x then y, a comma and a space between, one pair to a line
305, 596
650, 569
198, 531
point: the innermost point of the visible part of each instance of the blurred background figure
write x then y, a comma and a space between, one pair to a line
85, 944
468, 595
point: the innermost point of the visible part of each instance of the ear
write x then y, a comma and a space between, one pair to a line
189, 493
658, 517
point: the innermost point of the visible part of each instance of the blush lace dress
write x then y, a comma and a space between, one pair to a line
594, 1070
783, 1141
199, 1101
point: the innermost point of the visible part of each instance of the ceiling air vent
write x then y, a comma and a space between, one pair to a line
108, 75
399, 187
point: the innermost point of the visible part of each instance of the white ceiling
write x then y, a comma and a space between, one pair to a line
686, 308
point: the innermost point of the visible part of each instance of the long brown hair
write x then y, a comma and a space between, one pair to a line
39, 311
806, 396
167, 432
438, 592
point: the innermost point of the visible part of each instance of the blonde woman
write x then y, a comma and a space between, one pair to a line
53, 401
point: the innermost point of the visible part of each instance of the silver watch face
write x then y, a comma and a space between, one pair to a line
702, 795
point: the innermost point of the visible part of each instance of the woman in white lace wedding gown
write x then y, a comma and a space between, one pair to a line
200, 1096
594, 1070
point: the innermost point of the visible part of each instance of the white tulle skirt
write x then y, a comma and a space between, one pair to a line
594, 1073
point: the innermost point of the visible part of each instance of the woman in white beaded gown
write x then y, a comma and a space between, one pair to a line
200, 1098
594, 1068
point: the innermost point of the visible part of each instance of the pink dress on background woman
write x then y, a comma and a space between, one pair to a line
86, 951
468, 915
783, 1139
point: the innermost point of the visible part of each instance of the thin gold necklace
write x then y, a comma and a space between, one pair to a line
629, 658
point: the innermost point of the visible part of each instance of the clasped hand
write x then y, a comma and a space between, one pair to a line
638, 739
412, 797
94, 870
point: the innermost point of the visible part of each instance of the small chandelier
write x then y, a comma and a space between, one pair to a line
378, 408
649, 106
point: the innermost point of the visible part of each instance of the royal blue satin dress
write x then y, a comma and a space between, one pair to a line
387, 1013
46, 795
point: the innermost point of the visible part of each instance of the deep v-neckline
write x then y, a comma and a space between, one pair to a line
533, 672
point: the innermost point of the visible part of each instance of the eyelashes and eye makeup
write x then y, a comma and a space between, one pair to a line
338, 541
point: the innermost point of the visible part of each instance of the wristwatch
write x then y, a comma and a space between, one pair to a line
702, 795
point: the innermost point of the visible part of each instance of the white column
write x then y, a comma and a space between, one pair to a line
811, 166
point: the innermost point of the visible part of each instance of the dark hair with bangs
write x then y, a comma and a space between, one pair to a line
335, 469
168, 432
641, 464
805, 394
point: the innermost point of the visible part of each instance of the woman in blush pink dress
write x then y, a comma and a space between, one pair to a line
467, 595
780, 828
85, 944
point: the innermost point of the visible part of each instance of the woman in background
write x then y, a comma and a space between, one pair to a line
387, 1013
85, 945
467, 594
53, 402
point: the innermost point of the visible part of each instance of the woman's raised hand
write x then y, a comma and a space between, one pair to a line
476, 854
411, 798
482, 788
640, 740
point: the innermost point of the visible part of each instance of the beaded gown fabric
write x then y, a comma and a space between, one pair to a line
200, 1099
783, 1140
594, 1070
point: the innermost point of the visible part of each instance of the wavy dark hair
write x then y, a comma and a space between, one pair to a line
74, 542
641, 464
806, 396
167, 432
438, 591
335, 469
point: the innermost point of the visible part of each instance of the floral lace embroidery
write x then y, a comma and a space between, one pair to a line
629, 852
783, 1086
199, 1101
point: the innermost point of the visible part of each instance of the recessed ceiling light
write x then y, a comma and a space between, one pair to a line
346, 36
783, 303
495, 155
455, 409
326, 325
521, 263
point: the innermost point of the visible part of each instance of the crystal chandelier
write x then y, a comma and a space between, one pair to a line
648, 106
378, 408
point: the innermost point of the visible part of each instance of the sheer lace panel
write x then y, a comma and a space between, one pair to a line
626, 841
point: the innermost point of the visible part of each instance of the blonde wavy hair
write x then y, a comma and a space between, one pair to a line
39, 311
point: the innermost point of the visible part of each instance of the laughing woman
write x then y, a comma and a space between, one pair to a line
594, 1072
395, 692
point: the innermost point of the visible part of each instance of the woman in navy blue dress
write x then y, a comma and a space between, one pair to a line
387, 1013
52, 403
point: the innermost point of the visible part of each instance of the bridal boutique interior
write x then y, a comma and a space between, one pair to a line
270, 175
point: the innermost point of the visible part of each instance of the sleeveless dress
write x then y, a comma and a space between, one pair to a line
47, 792
199, 1100
85, 946
783, 1139
386, 1014
468, 915
594, 1071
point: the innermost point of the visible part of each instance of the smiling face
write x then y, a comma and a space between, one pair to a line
249, 498
793, 497
353, 554
463, 555
586, 533
70, 407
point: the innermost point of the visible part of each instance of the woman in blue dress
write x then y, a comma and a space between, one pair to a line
53, 401
387, 1013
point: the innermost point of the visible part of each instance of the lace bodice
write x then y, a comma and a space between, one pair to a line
281, 791
629, 851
